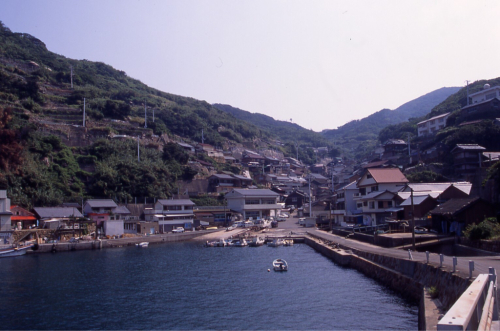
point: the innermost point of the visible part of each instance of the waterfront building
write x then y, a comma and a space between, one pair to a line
57, 217
170, 214
22, 218
109, 217
255, 203
5, 213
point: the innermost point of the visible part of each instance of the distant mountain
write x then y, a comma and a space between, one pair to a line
377, 121
361, 135
284, 131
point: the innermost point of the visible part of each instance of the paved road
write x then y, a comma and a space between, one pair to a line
481, 263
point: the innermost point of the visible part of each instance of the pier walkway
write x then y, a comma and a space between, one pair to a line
481, 263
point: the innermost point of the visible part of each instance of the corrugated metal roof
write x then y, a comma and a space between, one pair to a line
57, 212
416, 200
176, 202
104, 203
255, 192
121, 210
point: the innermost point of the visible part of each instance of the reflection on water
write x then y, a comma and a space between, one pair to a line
187, 286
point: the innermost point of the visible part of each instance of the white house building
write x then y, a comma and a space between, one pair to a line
171, 214
487, 93
377, 195
432, 125
346, 210
254, 203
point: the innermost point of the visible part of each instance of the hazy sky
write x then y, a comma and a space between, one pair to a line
320, 63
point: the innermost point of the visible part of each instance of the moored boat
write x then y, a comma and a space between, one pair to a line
143, 244
280, 265
14, 251
241, 243
288, 242
276, 242
256, 241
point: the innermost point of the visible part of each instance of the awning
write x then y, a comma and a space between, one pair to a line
392, 210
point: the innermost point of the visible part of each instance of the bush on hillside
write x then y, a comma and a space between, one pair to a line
487, 229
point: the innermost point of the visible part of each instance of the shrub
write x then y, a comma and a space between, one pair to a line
485, 230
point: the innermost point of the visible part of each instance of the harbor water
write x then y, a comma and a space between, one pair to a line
188, 286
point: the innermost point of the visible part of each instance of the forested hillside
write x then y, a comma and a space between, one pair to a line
40, 110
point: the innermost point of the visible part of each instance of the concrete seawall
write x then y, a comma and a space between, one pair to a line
409, 278
113, 243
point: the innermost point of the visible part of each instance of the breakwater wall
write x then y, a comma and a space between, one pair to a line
113, 243
407, 277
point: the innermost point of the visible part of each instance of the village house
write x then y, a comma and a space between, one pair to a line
467, 158
394, 148
253, 203
188, 148
109, 217
57, 217
22, 218
456, 214
222, 183
346, 210
432, 125
171, 214
297, 198
377, 195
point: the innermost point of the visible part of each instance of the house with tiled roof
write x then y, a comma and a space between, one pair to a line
377, 193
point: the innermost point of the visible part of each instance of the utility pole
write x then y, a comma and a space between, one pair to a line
310, 197
145, 115
202, 138
412, 221
153, 115
71, 75
467, 92
83, 112
409, 154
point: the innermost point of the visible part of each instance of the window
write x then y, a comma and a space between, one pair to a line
389, 204
252, 202
268, 201
365, 203
362, 191
359, 205
294, 199
380, 205
374, 188
372, 205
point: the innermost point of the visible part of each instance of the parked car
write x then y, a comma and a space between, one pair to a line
302, 221
178, 230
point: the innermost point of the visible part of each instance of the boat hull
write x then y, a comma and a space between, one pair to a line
14, 251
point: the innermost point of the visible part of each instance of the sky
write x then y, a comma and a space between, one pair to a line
317, 63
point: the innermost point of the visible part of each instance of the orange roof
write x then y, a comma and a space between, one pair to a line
23, 218
388, 175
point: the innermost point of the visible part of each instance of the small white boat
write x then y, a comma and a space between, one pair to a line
276, 242
143, 244
280, 265
241, 243
256, 241
217, 243
14, 251
288, 242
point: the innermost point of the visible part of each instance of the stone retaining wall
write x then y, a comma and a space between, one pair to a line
404, 276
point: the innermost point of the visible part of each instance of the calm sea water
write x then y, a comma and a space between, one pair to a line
187, 286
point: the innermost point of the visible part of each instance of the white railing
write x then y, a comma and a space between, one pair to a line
476, 308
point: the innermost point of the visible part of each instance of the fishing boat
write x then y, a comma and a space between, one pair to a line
241, 243
143, 244
14, 251
218, 243
288, 242
276, 242
256, 241
280, 265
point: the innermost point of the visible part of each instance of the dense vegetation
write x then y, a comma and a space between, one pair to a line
487, 229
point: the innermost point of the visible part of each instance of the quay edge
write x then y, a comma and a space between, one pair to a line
409, 278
